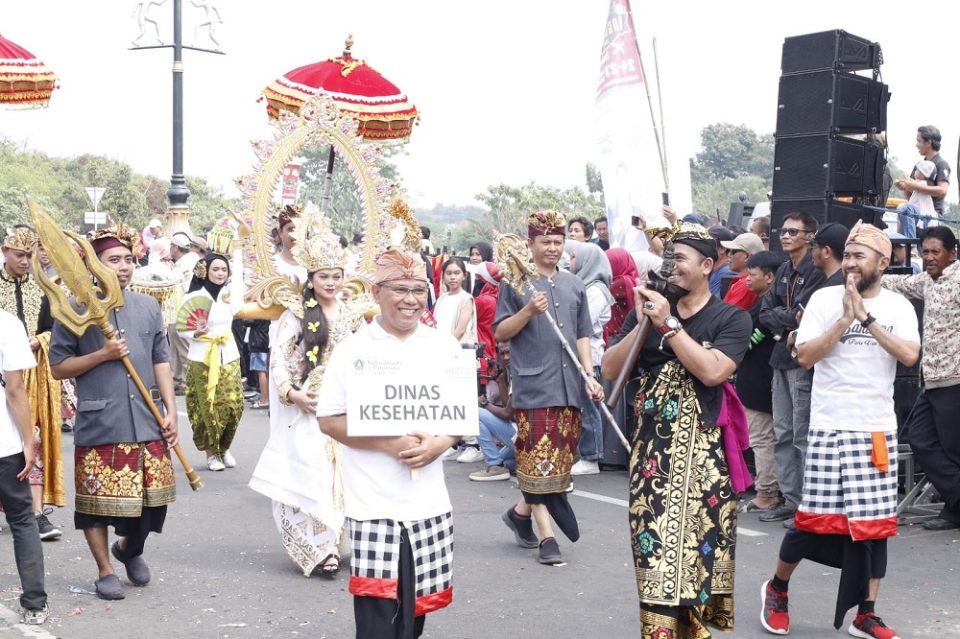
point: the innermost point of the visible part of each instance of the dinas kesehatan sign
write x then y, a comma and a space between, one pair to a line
389, 396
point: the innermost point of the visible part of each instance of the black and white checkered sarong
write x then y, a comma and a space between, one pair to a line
843, 491
376, 553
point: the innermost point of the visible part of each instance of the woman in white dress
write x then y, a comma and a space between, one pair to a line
299, 468
455, 312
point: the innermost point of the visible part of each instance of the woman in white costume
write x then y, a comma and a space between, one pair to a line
299, 468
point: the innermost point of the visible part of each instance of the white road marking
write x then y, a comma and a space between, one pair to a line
13, 618
746, 532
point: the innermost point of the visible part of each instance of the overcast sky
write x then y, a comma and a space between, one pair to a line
506, 88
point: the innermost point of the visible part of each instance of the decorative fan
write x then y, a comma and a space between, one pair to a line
194, 311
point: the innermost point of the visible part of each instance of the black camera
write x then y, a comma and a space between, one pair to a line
658, 283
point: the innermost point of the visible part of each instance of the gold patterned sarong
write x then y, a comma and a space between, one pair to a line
119, 480
682, 512
44, 393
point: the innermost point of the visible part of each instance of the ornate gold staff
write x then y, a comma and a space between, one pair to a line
513, 258
97, 299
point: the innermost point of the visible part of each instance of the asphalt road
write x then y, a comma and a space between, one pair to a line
219, 571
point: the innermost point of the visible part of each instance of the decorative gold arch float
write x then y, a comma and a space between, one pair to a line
319, 122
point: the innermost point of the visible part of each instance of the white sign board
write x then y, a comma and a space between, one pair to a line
94, 218
95, 193
388, 397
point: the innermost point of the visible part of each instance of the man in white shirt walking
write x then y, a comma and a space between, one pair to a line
17, 457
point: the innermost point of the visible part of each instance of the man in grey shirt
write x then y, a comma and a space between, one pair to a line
116, 437
546, 386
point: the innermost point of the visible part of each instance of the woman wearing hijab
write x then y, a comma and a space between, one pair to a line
214, 392
479, 253
588, 262
624, 273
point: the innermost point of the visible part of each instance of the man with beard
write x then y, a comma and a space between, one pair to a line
123, 471
681, 477
934, 436
546, 387
855, 334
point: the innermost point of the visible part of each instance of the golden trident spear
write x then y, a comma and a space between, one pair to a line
513, 258
97, 299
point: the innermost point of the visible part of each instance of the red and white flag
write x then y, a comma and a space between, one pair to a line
629, 159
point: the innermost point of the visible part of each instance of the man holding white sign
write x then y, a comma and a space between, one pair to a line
395, 413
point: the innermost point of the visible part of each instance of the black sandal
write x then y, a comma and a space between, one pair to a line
330, 566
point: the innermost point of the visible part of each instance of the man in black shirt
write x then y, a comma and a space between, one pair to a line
780, 314
680, 473
826, 248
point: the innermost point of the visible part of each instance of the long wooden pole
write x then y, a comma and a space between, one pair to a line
629, 362
663, 126
583, 373
195, 482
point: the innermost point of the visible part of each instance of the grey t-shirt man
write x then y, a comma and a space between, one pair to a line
110, 408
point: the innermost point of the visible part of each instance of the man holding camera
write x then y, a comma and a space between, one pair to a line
680, 476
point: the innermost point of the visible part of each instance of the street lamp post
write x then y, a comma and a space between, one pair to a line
178, 193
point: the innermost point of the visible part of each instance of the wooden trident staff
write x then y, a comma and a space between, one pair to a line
513, 258
97, 299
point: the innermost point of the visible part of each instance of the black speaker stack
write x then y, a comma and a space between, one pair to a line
829, 154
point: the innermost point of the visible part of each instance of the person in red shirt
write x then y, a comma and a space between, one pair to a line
740, 249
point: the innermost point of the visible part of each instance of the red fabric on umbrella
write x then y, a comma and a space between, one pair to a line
25, 82
385, 112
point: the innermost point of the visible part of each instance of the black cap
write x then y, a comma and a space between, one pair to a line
833, 235
720, 233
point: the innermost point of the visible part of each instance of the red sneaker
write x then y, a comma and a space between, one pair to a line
774, 614
870, 626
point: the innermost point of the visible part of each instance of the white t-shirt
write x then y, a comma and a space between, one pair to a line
853, 383
15, 355
375, 485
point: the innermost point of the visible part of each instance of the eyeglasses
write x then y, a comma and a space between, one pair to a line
793, 232
403, 291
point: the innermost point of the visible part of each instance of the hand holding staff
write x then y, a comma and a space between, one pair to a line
97, 300
514, 263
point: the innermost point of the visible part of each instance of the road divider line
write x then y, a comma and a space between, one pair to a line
746, 532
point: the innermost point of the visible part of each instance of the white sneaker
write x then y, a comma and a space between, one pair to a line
585, 467
450, 453
470, 455
214, 463
228, 460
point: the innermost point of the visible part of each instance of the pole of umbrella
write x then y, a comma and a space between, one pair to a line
328, 182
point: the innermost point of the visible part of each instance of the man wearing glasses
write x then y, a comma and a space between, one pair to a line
400, 524
780, 313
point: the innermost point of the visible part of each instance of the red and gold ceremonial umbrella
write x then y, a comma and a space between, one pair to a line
25, 82
386, 114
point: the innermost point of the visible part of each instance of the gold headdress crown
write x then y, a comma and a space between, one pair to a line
316, 246
220, 237
407, 225
20, 238
122, 233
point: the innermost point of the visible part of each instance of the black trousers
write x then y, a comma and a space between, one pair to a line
935, 439
27, 550
388, 618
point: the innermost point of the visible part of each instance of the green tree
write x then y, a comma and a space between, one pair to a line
510, 205
731, 151
733, 160
343, 209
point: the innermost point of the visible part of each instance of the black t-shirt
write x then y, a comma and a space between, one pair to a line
717, 325
754, 375
941, 174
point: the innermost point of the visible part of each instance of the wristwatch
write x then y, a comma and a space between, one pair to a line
670, 327
870, 319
